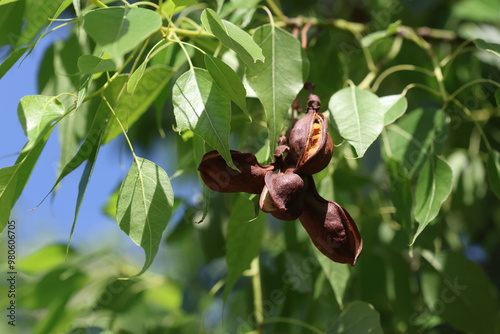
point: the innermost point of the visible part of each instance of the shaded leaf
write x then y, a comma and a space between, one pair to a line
120, 29
88, 64
144, 206
134, 79
228, 81
244, 236
494, 171
11, 19
497, 96
459, 292
434, 185
129, 107
490, 47
37, 114
337, 274
11, 60
410, 138
357, 318
279, 79
358, 115
37, 15
402, 196
232, 37
202, 107
395, 107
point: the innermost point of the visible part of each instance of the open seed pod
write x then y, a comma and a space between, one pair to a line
219, 177
330, 227
283, 195
311, 145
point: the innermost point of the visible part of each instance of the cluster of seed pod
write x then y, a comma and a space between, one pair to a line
286, 187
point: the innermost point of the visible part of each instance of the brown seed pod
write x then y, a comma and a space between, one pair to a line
219, 177
311, 145
283, 195
330, 227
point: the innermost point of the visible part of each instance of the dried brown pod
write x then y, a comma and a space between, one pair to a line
330, 227
219, 177
311, 145
283, 195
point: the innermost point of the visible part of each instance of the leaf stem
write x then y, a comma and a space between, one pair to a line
274, 7
98, 3
257, 293
396, 68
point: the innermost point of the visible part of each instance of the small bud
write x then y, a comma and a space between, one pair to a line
283, 195
219, 177
311, 145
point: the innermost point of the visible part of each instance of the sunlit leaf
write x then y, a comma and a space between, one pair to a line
459, 292
433, 188
477, 10
202, 107
358, 115
228, 81
244, 236
357, 318
37, 114
494, 171
45, 259
88, 64
144, 206
232, 37
120, 29
395, 107
279, 79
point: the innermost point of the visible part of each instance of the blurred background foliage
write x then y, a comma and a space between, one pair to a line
447, 281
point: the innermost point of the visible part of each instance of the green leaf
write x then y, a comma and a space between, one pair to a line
402, 196
144, 206
11, 19
13, 179
434, 185
129, 107
337, 274
244, 236
357, 318
228, 81
120, 29
497, 96
395, 107
37, 15
232, 37
494, 171
11, 60
202, 107
279, 79
44, 260
377, 35
410, 138
358, 115
477, 10
490, 47
88, 64
134, 79
459, 292
37, 114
